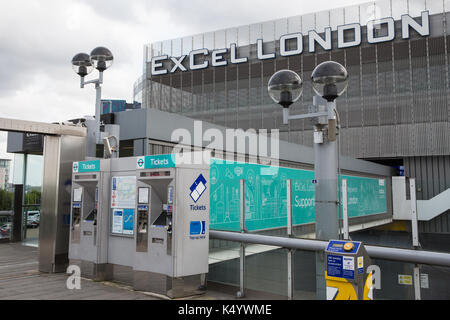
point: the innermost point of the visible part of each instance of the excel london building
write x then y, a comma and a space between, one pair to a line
395, 111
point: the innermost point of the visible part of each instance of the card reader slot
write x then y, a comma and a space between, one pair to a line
158, 240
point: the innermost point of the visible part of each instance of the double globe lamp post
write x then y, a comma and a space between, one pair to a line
329, 81
83, 64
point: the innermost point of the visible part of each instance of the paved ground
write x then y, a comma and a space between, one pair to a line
21, 280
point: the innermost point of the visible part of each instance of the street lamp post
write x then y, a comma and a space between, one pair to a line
101, 59
329, 80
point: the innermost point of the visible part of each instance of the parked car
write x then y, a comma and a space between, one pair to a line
33, 219
5, 229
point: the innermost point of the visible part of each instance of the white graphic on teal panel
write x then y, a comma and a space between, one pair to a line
238, 171
217, 197
229, 174
213, 176
250, 177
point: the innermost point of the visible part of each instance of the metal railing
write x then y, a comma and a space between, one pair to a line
387, 253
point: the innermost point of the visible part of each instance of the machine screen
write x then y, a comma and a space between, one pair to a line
77, 194
143, 195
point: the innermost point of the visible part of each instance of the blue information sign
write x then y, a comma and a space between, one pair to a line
338, 246
340, 267
128, 221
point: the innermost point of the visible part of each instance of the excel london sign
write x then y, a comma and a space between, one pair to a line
348, 35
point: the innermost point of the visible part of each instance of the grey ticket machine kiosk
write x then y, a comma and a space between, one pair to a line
142, 221
172, 206
89, 216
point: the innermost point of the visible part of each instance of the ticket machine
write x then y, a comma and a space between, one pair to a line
172, 221
142, 221
89, 216
346, 271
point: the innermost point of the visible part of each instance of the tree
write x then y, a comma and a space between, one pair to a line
6, 200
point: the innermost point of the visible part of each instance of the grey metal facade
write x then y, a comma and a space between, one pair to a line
396, 104
432, 177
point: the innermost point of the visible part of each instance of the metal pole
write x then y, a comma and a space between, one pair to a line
414, 222
24, 193
326, 194
289, 206
417, 283
290, 267
241, 292
415, 236
345, 209
290, 253
98, 100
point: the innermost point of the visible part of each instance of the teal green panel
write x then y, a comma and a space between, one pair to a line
265, 196
365, 196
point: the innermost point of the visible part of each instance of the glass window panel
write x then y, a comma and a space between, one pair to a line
208, 90
167, 48
18, 168
209, 41
268, 31
243, 36
219, 39
268, 34
156, 49
156, 94
281, 28
336, 18
352, 14
176, 93
369, 11
244, 41
187, 45
220, 97
255, 32
384, 7
231, 36
255, 86
198, 42
165, 93
147, 53
308, 23
294, 24
186, 102
176, 47
197, 90
35, 167
416, 7
446, 5
243, 85
399, 7
322, 21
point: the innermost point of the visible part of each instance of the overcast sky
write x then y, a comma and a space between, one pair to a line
39, 38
